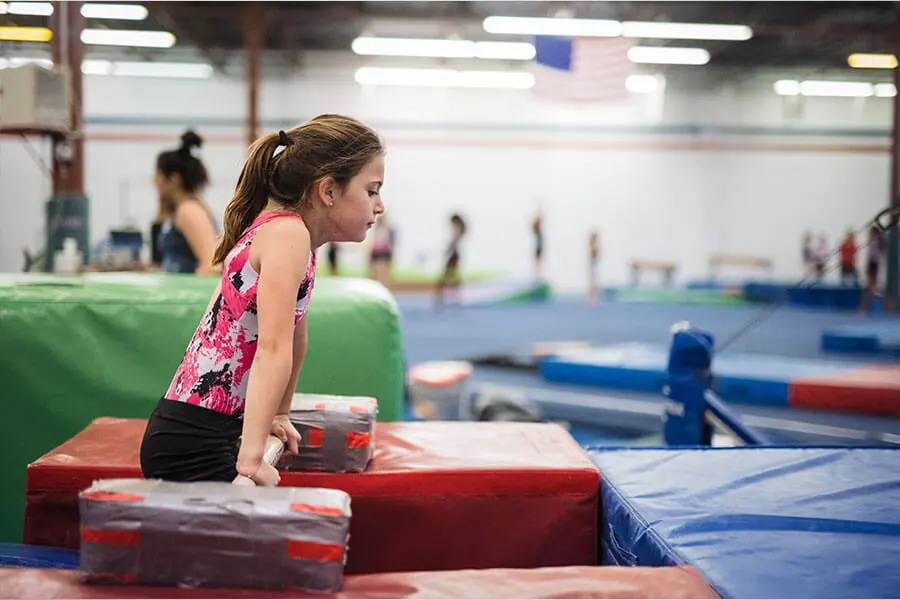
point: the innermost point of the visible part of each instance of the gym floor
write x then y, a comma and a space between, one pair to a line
460, 333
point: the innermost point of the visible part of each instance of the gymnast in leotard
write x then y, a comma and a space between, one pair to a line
317, 183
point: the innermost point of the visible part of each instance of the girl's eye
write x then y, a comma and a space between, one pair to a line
373, 193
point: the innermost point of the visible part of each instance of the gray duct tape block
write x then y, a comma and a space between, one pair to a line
338, 433
207, 534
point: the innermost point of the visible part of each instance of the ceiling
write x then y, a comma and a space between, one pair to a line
794, 34
815, 35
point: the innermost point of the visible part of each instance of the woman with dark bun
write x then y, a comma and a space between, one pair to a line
186, 240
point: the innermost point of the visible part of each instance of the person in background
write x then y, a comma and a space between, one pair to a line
808, 262
381, 256
849, 273
332, 256
537, 228
875, 253
450, 277
298, 190
820, 256
594, 257
186, 229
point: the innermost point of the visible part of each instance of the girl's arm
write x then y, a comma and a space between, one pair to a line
299, 352
192, 221
283, 249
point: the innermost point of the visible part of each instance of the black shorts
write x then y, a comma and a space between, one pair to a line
185, 442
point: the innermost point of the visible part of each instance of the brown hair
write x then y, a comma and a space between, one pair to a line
182, 162
326, 146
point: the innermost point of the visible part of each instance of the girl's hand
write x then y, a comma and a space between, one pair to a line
263, 475
284, 430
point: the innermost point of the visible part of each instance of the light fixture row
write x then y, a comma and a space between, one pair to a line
123, 12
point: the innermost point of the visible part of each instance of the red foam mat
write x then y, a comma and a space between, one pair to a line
874, 389
558, 582
437, 496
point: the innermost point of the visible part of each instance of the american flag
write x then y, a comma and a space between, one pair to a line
582, 69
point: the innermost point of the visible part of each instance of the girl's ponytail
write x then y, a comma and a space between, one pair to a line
251, 194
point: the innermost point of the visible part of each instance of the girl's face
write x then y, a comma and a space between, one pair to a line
358, 204
167, 186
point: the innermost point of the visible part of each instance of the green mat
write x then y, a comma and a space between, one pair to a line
713, 297
76, 348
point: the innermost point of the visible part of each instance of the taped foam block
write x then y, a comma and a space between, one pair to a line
337, 433
210, 534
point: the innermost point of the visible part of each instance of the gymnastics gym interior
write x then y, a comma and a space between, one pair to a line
665, 365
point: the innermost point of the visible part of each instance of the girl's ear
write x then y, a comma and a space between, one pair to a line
325, 191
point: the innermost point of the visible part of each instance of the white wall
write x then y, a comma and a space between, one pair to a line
725, 168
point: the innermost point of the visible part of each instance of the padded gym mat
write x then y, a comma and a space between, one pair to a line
437, 495
758, 522
555, 582
77, 348
501, 293
879, 338
38, 557
760, 379
677, 296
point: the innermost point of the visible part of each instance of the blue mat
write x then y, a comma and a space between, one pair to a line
809, 295
758, 522
879, 338
745, 378
38, 557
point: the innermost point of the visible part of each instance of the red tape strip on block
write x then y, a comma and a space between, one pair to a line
315, 551
319, 510
113, 497
358, 440
315, 438
116, 537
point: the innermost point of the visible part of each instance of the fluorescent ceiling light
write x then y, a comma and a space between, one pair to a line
439, 48
553, 26
885, 90
124, 12
504, 50
147, 69
125, 37
496, 79
787, 87
846, 89
444, 78
609, 28
25, 34
853, 89
686, 31
665, 55
642, 84
872, 61
407, 77
38, 9
7, 63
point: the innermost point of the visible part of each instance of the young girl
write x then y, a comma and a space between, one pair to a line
381, 256
537, 228
317, 183
184, 231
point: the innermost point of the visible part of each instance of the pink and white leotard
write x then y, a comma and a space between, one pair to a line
216, 364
